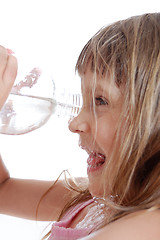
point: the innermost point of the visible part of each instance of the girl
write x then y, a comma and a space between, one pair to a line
119, 127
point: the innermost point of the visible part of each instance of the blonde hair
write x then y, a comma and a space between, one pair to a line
129, 50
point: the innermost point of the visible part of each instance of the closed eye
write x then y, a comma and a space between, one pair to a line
100, 101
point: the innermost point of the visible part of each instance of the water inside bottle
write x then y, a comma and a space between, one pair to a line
23, 112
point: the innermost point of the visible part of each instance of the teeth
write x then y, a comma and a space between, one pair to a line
101, 156
96, 165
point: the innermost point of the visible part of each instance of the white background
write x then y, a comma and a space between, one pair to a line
51, 33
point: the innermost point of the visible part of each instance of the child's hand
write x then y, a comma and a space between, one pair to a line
8, 72
4, 174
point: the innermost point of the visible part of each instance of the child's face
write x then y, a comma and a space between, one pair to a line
97, 123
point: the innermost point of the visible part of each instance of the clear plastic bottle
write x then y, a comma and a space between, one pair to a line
28, 107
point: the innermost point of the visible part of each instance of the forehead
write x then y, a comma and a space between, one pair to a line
91, 83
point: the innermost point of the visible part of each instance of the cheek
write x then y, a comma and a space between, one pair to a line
106, 130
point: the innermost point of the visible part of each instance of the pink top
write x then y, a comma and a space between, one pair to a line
61, 230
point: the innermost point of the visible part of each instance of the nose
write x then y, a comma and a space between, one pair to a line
79, 124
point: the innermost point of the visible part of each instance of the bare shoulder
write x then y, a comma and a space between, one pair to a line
143, 225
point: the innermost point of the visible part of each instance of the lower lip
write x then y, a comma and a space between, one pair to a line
94, 164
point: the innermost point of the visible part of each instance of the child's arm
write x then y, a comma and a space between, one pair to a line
21, 197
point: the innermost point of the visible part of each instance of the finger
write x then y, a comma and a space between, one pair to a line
3, 60
10, 72
8, 78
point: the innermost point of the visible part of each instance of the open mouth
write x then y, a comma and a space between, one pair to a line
95, 161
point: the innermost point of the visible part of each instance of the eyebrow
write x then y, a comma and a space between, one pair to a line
107, 90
